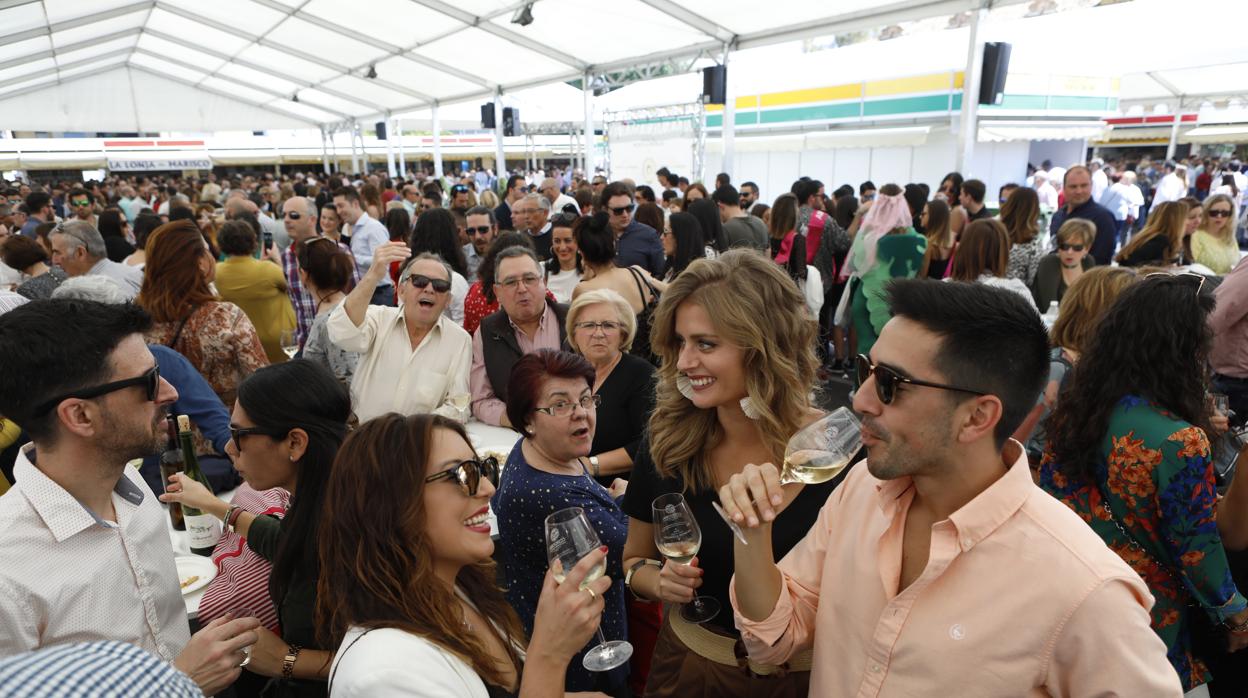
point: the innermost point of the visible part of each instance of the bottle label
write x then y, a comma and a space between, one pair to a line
204, 530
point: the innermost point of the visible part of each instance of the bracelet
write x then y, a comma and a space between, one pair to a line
232, 514
593, 464
628, 576
1240, 628
288, 663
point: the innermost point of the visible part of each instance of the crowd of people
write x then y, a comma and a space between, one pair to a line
1052, 386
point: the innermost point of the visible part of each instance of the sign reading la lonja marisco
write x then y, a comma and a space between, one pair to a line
158, 164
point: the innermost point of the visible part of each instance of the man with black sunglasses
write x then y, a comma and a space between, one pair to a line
481, 229
939, 567
635, 243
86, 553
413, 358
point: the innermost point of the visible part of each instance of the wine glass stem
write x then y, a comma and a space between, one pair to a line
602, 642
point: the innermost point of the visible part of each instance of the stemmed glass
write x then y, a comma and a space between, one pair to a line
816, 454
290, 345
678, 537
570, 537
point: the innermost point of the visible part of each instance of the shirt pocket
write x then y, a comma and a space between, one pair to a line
429, 388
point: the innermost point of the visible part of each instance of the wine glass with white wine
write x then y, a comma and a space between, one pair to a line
570, 537
816, 454
678, 538
289, 343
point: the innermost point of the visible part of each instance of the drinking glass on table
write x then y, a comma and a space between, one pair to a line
570, 537
243, 612
290, 344
815, 454
678, 538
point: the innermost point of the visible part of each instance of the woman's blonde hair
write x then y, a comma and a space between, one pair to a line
1085, 302
1168, 219
1082, 228
754, 305
628, 319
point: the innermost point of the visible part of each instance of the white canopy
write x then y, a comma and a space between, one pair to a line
123, 65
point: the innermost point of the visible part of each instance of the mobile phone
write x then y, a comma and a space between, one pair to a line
268, 241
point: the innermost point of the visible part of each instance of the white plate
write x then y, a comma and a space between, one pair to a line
195, 566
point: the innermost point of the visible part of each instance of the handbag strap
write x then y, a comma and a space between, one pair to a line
181, 324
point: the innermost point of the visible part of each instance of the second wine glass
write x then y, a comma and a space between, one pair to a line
570, 537
289, 343
678, 538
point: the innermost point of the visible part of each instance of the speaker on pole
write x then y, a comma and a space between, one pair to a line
511, 122
715, 84
992, 77
380, 128
487, 115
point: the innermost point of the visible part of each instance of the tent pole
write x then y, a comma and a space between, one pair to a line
729, 131
391, 169
587, 89
1174, 132
500, 157
437, 143
398, 131
968, 132
324, 153
355, 161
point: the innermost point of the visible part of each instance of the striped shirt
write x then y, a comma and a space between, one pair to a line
101, 669
242, 579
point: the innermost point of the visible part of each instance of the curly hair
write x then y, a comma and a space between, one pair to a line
756, 306
1154, 343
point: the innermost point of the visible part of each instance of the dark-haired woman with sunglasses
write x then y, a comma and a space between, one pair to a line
287, 425
550, 398
408, 594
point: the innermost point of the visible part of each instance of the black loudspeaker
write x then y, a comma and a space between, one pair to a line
715, 84
992, 79
511, 122
380, 127
487, 115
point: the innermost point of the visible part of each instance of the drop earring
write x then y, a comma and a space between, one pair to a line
684, 386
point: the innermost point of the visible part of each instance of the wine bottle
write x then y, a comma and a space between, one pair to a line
204, 528
170, 463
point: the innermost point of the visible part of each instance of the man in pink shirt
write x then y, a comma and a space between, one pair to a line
938, 568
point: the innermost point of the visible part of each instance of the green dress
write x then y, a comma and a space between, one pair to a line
898, 256
1156, 471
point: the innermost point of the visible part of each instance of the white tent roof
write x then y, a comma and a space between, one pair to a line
69, 65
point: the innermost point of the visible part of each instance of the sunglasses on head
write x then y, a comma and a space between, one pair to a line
1196, 281
421, 281
1063, 246
459, 189
150, 381
1219, 213
467, 474
887, 380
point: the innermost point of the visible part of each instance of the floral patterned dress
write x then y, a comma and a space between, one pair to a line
1158, 474
220, 342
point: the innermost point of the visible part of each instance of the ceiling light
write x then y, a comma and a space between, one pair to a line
295, 98
523, 16
372, 72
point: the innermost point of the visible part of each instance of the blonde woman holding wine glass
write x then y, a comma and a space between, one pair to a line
737, 350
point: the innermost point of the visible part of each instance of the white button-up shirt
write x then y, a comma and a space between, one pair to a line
392, 376
366, 236
67, 575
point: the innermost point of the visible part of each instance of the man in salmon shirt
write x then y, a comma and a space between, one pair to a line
938, 567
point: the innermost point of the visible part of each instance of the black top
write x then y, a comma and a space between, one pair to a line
1049, 285
981, 213
796, 263
936, 268
650, 301
296, 612
117, 248
1151, 252
627, 400
715, 557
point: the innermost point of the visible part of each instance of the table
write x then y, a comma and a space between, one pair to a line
486, 439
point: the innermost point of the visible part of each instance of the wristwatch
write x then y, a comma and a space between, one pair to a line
288, 662
628, 576
593, 465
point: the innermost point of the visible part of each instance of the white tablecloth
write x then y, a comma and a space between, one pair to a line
486, 439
